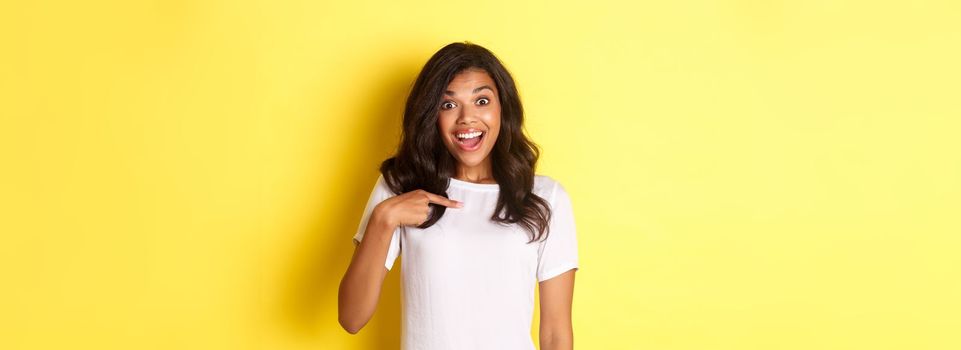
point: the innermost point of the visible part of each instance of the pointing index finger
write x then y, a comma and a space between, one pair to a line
433, 198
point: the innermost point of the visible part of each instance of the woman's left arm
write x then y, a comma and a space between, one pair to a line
557, 295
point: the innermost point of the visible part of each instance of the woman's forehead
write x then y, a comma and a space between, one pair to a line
469, 80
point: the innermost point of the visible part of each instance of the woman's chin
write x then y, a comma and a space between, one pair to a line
470, 160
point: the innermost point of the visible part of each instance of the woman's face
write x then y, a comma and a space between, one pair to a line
470, 116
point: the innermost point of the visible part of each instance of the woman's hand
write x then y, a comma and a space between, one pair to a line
411, 208
360, 288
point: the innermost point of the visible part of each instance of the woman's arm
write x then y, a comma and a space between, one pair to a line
360, 288
557, 295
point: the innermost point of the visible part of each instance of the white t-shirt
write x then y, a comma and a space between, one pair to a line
468, 282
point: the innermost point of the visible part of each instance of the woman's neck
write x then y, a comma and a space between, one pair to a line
480, 173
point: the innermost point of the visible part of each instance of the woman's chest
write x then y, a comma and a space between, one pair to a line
469, 240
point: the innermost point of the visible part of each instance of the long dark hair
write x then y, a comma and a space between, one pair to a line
423, 162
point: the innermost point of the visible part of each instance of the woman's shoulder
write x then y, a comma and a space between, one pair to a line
546, 186
543, 179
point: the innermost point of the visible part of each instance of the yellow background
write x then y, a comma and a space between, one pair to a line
744, 174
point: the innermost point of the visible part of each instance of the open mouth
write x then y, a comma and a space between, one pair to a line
469, 141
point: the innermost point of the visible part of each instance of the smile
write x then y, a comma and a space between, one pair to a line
470, 140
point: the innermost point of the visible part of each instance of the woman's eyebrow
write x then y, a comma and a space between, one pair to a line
448, 92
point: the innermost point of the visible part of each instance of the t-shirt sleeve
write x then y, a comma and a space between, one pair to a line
377, 195
558, 252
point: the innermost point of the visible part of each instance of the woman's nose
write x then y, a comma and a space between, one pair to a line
467, 114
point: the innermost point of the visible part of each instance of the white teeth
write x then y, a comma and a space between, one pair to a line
469, 135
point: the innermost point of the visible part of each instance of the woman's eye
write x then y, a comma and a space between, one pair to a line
483, 101
447, 105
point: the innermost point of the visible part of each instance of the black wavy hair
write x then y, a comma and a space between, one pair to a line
423, 162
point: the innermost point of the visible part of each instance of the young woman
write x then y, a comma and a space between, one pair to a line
476, 226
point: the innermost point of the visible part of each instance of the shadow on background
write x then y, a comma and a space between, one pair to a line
321, 260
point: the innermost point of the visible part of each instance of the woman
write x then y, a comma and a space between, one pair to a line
476, 226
